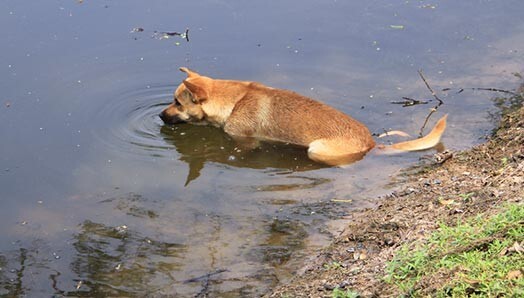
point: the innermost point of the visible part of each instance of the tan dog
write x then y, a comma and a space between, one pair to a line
252, 110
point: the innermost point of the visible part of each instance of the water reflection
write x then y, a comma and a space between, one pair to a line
133, 205
21, 268
11, 283
285, 237
101, 258
117, 261
199, 145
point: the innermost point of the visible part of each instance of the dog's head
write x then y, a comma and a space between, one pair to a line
188, 99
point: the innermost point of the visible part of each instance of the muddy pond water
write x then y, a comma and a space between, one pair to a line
99, 198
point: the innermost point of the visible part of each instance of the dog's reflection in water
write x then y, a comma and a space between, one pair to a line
198, 145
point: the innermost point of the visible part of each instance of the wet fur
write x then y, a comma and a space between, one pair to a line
253, 110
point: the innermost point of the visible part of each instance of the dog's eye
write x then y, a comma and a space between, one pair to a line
177, 103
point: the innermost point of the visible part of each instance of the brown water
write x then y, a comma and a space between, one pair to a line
98, 198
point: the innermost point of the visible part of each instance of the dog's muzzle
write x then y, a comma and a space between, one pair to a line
162, 116
169, 119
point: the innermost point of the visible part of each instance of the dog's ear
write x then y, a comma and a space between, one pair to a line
197, 87
190, 73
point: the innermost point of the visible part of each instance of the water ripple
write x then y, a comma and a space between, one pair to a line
130, 122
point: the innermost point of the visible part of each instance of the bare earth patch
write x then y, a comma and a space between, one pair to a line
470, 182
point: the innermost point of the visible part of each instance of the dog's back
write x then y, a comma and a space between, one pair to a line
286, 116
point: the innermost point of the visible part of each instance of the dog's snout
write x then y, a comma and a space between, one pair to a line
162, 116
169, 119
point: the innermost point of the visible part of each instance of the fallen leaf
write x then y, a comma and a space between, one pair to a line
446, 202
517, 247
515, 274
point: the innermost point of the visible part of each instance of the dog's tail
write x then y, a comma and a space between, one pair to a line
427, 142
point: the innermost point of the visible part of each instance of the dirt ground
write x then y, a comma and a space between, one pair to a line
450, 187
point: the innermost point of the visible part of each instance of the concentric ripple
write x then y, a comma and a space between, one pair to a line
130, 122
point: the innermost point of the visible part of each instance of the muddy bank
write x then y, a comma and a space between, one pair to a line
450, 187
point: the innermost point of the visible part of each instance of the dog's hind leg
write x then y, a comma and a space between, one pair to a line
247, 143
336, 151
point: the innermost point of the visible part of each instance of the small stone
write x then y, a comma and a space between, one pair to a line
329, 287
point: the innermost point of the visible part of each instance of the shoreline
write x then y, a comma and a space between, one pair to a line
451, 188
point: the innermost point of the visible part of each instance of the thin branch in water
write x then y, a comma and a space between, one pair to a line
408, 102
460, 90
496, 90
205, 276
432, 111
429, 87
204, 280
435, 108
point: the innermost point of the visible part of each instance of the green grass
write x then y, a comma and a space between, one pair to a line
339, 293
476, 258
333, 266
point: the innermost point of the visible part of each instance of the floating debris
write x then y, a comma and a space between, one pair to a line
397, 27
166, 34
160, 35
121, 229
430, 6
407, 102
138, 29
